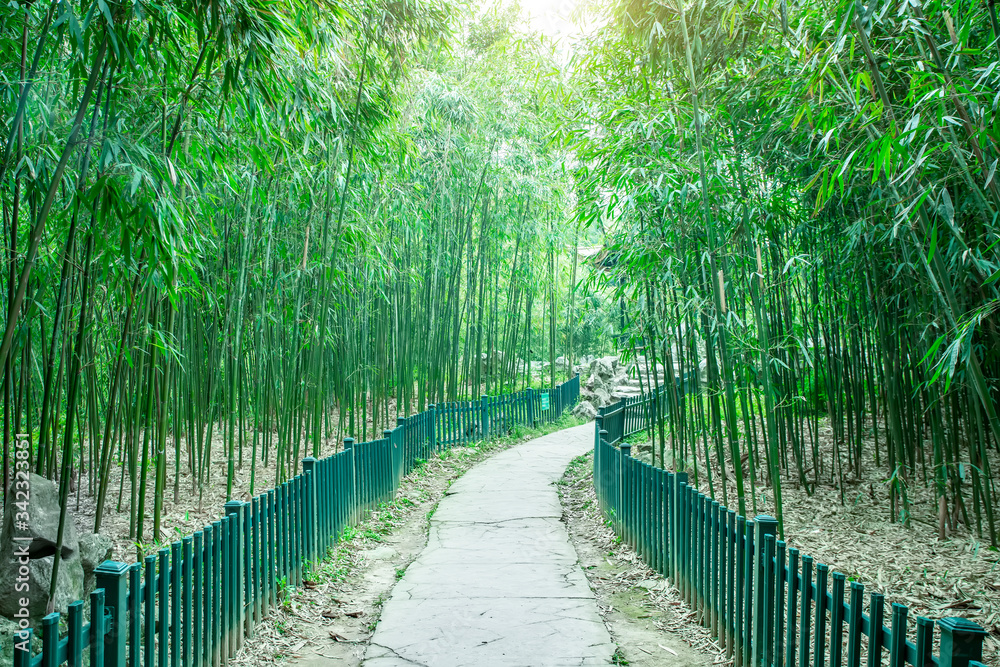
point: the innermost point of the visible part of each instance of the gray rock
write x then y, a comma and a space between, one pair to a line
602, 397
602, 368
612, 361
94, 550
28, 574
624, 392
42, 508
594, 381
69, 589
585, 410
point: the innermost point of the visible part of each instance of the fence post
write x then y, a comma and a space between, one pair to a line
676, 524
353, 484
112, 577
312, 506
432, 408
484, 415
624, 451
391, 473
961, 642
234, 510
531, 407
602, 435
22, 647
98, 628
406, 446
763, 525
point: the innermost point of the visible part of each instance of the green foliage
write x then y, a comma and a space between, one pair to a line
800, 201
279, 222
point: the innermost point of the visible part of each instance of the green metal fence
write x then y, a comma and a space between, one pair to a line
192, 603
765, 602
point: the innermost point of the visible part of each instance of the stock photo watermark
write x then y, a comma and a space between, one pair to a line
21, 542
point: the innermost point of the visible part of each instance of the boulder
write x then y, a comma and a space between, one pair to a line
602, 397
30, 569
69, 589
624, 392
602, 368
612, 361
594, 381
585, 410
42, 508
94, 550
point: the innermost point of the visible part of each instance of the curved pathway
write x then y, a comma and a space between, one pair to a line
498, 582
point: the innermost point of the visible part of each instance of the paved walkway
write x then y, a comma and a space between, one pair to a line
498, 582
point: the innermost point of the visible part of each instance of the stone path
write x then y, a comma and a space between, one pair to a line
499, 582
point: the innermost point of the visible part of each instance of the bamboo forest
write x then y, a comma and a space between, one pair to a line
722, 276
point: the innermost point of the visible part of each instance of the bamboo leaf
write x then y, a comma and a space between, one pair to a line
989, 176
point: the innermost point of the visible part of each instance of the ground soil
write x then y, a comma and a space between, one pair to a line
331, 618
646, 617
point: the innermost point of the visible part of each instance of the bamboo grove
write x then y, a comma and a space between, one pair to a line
237, 231
801, 203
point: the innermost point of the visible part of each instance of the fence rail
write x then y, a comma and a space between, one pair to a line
192, 603
767, 604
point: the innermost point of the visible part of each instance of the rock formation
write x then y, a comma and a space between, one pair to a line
29, 546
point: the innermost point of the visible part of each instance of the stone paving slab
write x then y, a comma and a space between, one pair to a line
491, 507
498, 582
515, 632
516, 541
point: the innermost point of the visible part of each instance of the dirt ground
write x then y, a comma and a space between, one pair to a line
646, 617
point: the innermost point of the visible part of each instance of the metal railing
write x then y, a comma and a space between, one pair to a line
767, 604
